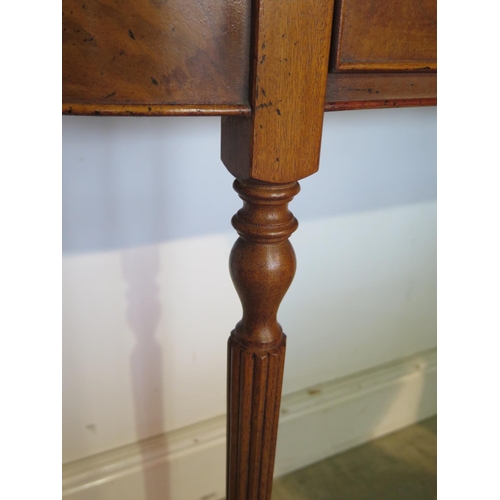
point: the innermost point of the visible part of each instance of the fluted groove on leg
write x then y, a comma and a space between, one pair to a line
262, 265
254, 403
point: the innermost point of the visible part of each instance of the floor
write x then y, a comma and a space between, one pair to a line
400, 466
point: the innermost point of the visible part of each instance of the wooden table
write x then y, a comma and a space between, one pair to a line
270, 68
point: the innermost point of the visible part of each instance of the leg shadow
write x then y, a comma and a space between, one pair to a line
140, 268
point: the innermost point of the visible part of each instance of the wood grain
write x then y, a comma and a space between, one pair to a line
262, 266
156, 110
281, 141
380, 90
254, 403
155, 53
384, 36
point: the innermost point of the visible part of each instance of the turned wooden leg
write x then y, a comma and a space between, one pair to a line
262, 265
267, 152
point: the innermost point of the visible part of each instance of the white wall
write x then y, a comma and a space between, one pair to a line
147, 300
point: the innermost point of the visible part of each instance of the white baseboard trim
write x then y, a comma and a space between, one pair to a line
189, 464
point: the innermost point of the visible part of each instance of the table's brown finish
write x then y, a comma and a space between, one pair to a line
385, 35
268, 152
265, 70
262, 265
198, 52
379, 90
280, 142
383, 54
155, 56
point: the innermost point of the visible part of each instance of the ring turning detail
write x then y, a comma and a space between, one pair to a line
262, 266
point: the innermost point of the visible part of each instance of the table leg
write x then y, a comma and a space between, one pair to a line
268, 152
262, 265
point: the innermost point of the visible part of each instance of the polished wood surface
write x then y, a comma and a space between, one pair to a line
268, 152
97, 109
194, 57
155, 56
262, 266
380, 90
384, 36
281, 141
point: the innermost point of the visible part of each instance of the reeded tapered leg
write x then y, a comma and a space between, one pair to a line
262, 266
277, 145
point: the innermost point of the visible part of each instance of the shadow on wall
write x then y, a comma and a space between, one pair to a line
140, 269
130, 182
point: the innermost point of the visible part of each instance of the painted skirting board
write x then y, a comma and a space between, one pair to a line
189, 463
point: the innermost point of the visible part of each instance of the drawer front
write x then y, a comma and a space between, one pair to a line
122, 54
385, 35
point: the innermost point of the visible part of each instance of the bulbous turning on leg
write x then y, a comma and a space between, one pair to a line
262, 266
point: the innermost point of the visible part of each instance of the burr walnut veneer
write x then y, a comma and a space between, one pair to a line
270, 68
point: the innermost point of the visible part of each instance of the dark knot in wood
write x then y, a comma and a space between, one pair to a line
262, 261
